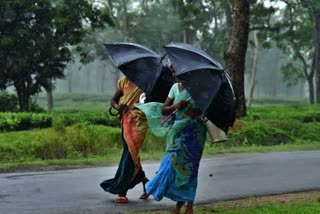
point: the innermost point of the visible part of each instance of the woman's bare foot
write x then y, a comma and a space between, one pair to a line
144, 195
189, 208
144, 181
122, 199
176, 210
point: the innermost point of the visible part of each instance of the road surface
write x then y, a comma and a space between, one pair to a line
220, 178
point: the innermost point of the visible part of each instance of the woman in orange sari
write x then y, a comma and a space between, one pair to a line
134, 127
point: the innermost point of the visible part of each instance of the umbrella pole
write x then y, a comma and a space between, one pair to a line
134, 93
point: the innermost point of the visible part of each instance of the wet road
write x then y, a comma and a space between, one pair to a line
220, 178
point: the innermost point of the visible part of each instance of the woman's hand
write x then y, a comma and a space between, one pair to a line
181, 104
121, 108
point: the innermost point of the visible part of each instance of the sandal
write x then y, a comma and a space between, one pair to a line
121, 199
144, 196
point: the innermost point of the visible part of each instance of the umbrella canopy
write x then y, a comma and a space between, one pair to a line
206, 81
139, 64
162, 87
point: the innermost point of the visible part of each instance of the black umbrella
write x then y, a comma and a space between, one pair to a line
139, 64
206, 81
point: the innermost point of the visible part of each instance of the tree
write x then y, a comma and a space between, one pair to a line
35, 40
254, 68
294, 39
313, 7
236, 52
126, 20
187, 11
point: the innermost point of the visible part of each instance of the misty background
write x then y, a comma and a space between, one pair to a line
100, 77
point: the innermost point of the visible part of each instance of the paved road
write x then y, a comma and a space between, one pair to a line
233, 176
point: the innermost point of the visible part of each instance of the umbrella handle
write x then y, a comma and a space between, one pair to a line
116, 114
168, 117
113, 114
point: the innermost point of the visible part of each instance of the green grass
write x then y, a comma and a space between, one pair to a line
311, 207
306, 207
77, 102
225, 149
265, 129
20, 150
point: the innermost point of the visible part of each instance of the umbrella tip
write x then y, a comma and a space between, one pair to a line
162, 58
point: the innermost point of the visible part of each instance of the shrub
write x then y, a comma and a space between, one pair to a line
83, 139
8, 102
53, 148
27, 120
258, 133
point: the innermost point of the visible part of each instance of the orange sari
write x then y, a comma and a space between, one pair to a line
134, 127
134, 123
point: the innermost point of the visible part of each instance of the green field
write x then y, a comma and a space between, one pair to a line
71, 137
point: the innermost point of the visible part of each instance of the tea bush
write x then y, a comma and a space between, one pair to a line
10, 121
77, 135
258, 133
59, 142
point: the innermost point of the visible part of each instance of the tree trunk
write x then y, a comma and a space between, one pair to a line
254, 68
88, 80
49, 100
228, 17
103, 77
314, 12
23, 96
317, 50
69, 78
125, 29
185, 35
236, 53
311, 90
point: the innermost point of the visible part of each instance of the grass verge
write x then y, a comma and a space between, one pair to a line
293, 203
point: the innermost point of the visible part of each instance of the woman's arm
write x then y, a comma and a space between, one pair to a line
115, 101
169, 107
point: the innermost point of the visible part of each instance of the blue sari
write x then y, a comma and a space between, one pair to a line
177, 177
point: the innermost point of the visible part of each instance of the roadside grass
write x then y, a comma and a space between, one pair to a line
91, 145
265, 129
292, 203
213, 149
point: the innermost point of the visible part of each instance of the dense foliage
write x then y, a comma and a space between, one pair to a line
8, 102
35, 40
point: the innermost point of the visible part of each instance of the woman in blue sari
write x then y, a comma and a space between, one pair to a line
177, 176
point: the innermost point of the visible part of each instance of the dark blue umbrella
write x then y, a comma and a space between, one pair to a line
206, 81
143, 67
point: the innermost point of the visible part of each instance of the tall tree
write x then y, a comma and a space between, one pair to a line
127, 17
254, 68
35, 40
313, 7
236, 53
187, 11
294, 40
